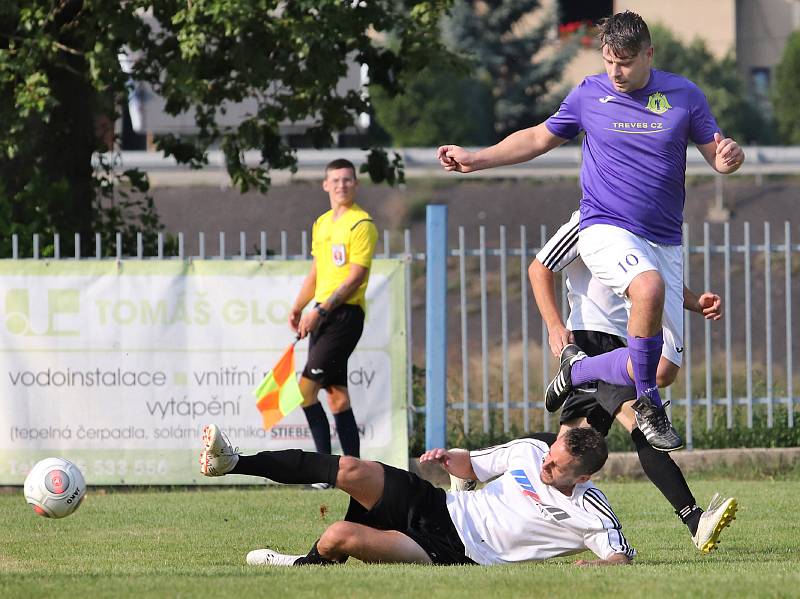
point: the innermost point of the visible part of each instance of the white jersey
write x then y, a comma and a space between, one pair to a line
593, 306
516, 517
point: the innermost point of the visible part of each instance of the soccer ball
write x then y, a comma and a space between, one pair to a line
54, 488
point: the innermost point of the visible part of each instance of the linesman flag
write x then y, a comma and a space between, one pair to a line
278, 394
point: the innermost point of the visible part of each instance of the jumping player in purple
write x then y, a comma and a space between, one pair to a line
638, 122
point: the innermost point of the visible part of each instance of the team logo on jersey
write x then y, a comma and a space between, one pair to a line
525, 483
547, 511
658, 103
338, 254
606, 100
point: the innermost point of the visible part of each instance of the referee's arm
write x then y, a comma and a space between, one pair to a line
348, 287
313, 318
305, 295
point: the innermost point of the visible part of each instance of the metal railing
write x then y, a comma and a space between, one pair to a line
496, 378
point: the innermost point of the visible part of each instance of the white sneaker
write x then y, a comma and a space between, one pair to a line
320, 486
268, 557
462, 484
720, 513
218, 457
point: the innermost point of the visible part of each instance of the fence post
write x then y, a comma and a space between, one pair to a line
436, 327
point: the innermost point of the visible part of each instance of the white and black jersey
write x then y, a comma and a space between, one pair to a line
517, 517
593, 306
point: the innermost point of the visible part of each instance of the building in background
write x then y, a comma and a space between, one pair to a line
754, 30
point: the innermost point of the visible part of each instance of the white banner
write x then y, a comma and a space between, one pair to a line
117, 366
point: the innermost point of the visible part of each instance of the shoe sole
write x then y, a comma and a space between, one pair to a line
728, 516
204, 464
667, 450
209, 432
552, 406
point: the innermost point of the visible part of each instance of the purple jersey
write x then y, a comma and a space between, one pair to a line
634, 152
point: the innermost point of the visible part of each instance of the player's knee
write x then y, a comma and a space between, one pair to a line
666, 377
336, 539
350, 470
647, 289
667, 372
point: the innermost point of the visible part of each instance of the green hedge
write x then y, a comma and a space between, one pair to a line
718, 437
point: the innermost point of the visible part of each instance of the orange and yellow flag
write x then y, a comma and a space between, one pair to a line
278, 394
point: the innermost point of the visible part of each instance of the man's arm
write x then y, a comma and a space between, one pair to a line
312, 319
708, 304
305, 295
455, 461
724, 155
520, 146
617, 559
543, 283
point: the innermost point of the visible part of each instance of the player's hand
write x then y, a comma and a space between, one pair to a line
455, 158
558, 338
309, 323
294, 319
439, 455
729, 152
710, 306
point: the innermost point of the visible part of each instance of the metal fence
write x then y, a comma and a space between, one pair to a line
735, 372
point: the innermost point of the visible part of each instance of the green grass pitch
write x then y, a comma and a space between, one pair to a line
192, 544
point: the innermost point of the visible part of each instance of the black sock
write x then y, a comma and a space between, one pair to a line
290, 466
548, 438
668, 478
348, 432
690, 515
314, 557
320, 429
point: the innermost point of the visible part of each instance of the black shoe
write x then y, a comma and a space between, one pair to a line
560, 387
655, 425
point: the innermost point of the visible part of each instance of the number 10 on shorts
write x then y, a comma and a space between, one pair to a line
630, 260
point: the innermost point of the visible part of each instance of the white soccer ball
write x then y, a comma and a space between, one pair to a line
54, 488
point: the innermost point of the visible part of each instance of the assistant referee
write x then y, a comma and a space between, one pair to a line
343, 243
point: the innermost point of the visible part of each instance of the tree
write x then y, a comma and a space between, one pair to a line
437, 104
736, 114
61, 85
786, 95
510, 43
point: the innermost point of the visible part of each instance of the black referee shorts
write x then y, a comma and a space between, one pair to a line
332, 343
597, 406
416, 508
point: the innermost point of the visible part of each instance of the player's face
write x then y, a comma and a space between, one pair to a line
341, 186
558, 468
628, 73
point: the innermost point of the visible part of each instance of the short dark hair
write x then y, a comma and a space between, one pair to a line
626, 34
340, 163
588, 446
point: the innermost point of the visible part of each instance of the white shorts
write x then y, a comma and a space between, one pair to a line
615, 256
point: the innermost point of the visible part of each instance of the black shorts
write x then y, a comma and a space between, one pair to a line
416, 508
600, 405
332, 343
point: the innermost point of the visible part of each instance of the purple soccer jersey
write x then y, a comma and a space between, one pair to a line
634, 151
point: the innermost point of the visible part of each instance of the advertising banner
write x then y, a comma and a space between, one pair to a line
118, 365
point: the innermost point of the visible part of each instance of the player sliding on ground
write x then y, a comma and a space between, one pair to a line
541, 505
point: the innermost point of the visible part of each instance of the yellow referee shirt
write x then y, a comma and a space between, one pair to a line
336, 245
